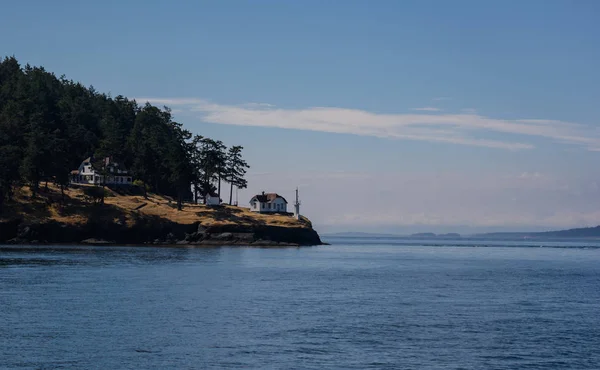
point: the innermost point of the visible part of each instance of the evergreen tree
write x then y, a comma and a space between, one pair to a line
212, 163
178, 156
220, 156
10, 154
236, 169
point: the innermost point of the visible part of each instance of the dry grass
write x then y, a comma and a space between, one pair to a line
125, 208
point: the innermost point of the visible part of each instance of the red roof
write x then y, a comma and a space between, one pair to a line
268, 197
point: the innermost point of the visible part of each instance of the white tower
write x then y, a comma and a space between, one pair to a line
297, 207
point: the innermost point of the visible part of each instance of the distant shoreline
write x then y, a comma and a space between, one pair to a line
586, 233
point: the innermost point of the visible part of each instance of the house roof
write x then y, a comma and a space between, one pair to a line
267, 197
75, 172
109, 163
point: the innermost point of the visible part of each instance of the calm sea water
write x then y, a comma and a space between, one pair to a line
357, 304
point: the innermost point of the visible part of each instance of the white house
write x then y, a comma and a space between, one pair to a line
268, 203
86, 174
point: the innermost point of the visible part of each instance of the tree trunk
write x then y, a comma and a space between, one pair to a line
145, 191
231, 193
103, 186
179, 205
46, 186
219, 190
206, 188
62, 193
34, 189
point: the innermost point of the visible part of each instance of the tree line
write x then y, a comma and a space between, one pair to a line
49, 124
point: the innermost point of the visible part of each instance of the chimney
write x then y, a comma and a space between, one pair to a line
263, 193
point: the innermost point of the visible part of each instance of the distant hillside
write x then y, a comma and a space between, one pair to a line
355, 234
584, 232
435, 236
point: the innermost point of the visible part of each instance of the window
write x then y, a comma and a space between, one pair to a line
269, 205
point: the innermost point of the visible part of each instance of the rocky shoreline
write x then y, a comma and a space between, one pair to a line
151, 231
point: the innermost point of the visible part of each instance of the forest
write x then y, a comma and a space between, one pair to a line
49, 124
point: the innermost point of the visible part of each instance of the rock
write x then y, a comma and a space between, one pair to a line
170, 238
222, 236
245, 237
194, 237
261, 242
26, 233
94, 241
155, 231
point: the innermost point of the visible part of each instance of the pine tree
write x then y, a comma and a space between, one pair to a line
235, 170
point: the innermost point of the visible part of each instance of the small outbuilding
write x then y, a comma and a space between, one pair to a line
212, 199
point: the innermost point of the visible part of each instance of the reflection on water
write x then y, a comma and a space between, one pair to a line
356, 304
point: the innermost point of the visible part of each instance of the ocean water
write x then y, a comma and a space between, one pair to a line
357, 304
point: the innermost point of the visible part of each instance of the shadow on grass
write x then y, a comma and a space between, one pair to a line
230, 214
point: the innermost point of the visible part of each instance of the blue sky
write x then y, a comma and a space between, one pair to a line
389, 115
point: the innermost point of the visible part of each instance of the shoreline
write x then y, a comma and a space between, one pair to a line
155, 232
25, 246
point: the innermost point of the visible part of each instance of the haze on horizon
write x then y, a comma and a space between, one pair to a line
409, 116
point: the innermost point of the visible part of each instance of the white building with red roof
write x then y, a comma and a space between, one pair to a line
268, 203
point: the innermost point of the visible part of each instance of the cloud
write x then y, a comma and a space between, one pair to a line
427, 109
467, 128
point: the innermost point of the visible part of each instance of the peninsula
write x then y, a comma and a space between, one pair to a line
80, 166
126, 218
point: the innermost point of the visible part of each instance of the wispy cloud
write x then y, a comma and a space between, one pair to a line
460, 128
427, 109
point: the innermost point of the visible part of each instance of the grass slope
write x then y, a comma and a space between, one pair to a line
125, 208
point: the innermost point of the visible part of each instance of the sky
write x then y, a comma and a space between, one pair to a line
389, 116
